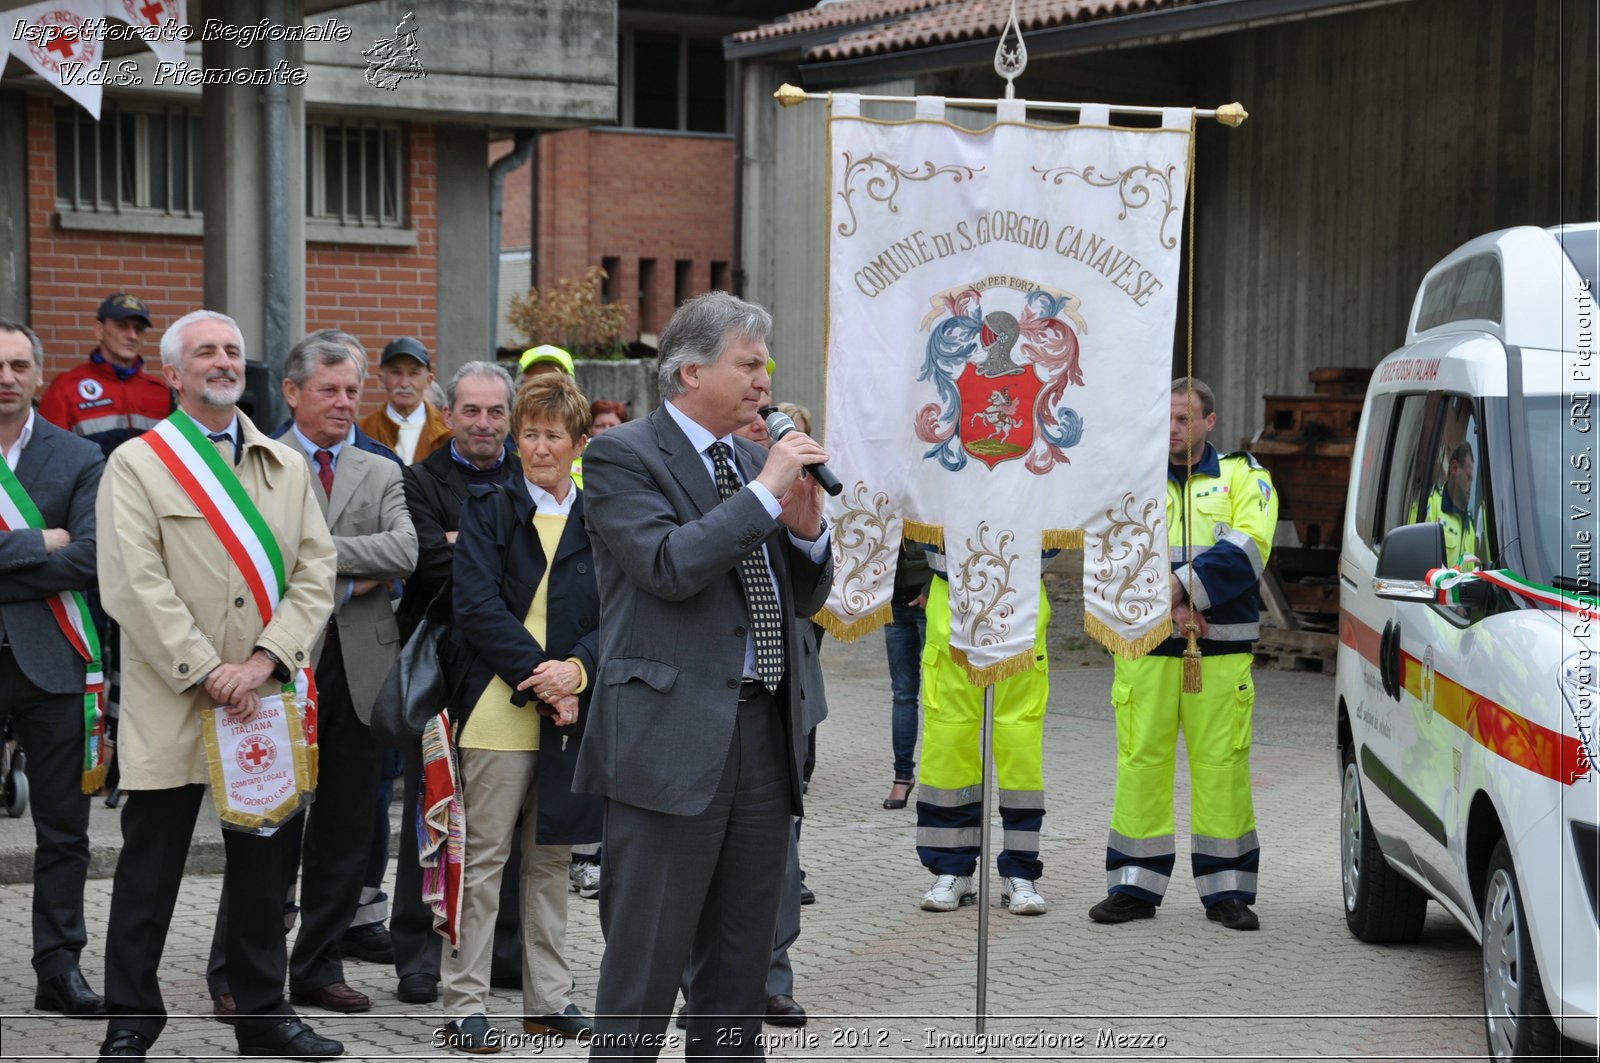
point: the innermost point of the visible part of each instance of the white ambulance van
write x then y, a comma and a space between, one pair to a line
1469, 635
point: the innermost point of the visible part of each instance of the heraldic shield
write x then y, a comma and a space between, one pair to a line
998, 422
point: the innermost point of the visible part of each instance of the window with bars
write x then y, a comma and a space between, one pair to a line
355, 173
136, 160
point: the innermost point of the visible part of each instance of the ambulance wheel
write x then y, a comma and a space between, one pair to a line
1516, 1017
1380, 904
17, 794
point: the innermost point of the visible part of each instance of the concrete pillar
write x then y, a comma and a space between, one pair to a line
464, 247
236, 186
14, 206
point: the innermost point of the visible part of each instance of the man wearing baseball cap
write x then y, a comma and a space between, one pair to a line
110, 398
409, 425
545, 358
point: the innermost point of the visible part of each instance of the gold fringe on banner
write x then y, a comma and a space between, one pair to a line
919, 532
1121, 645
850, 630
994, 673
1063, 539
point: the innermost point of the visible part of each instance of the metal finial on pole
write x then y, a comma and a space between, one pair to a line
1010, 60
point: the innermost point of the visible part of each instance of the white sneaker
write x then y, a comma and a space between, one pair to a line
584, 878
949, 892
1020, 897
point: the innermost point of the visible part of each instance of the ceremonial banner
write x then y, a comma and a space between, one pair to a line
1000, 332
258, 769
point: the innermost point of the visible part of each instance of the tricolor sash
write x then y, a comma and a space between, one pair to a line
71, 611
214, 488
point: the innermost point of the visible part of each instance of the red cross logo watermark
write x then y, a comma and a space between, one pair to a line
57, 37
256, 753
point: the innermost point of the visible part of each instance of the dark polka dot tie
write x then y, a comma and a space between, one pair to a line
766, 620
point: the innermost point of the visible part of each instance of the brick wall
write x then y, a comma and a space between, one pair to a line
71, 272
631, 196
376, 293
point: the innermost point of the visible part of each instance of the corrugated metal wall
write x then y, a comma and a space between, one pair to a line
1378, 142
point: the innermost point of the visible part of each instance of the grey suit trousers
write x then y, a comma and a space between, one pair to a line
701, 891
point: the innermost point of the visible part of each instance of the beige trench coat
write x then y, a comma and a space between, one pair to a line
183, 604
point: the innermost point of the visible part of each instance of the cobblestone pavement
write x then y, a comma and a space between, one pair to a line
883, 979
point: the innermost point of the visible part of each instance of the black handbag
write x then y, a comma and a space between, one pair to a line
422, 681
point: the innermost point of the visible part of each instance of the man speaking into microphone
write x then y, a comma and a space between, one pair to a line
704, 546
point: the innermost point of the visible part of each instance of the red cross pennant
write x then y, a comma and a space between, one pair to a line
62, 33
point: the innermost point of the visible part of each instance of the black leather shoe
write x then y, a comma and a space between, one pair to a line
417, 989
783, 1011
69, 994
1120, 907
806, 896
369, 943
123, 1044
290, 1039
1235, 915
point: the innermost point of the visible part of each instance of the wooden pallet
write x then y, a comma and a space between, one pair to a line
1297, 651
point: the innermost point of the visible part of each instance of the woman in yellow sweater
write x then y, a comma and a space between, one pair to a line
526, 604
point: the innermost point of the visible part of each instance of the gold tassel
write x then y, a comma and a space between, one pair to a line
311, 765
919, 532
94, 778
994, 673
1119, 644
850, 630
1193, 680
1063, 539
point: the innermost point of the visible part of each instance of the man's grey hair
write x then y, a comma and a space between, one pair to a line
487, 370
172, 339
699, 332
326, 346
33, 339
1202, 391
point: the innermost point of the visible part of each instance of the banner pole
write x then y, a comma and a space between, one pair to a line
983, 858
1228, 114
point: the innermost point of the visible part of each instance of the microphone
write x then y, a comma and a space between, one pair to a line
779, 425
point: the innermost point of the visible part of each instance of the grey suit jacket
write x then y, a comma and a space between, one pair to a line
374, 539
61, 473
673, 616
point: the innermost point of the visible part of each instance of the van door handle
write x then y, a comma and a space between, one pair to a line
1395, 679
1383, 657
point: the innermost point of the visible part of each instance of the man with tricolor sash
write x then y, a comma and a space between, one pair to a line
50, 664
221, 575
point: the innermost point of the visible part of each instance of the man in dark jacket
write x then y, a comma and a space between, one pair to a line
478, 411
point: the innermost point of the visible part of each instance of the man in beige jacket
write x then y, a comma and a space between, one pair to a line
194, 636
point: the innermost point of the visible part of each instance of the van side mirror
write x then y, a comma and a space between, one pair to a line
1408, 554
1411, 551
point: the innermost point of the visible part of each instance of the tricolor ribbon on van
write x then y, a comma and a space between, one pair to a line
1447, 581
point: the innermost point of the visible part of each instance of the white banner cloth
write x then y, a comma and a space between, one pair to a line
1000, 325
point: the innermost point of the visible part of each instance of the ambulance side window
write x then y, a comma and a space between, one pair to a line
1374, 454
1402, 475
1453, 482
